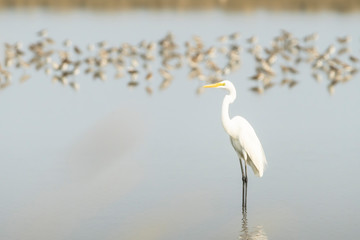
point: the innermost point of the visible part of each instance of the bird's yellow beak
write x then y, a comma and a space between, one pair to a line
214, 85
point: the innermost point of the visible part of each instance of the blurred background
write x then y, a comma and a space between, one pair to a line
232, 5
106, 133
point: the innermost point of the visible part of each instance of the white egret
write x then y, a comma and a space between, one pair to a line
243, 138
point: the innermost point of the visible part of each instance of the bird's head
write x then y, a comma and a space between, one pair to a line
226, 84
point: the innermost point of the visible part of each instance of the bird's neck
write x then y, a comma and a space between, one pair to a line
225, 117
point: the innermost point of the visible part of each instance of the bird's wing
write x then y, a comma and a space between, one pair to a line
252, 146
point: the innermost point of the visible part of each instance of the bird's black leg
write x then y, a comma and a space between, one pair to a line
243, 187
245, 179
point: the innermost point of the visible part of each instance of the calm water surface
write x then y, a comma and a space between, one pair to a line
113, 163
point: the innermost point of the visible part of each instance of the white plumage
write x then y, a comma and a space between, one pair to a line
247, 142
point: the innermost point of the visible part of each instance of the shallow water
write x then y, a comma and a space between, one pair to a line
113, 163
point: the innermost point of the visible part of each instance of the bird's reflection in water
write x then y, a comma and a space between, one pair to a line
256, 233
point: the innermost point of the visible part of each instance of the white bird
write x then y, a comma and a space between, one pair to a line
243, 138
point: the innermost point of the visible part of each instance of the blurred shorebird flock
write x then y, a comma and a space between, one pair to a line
275, 65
